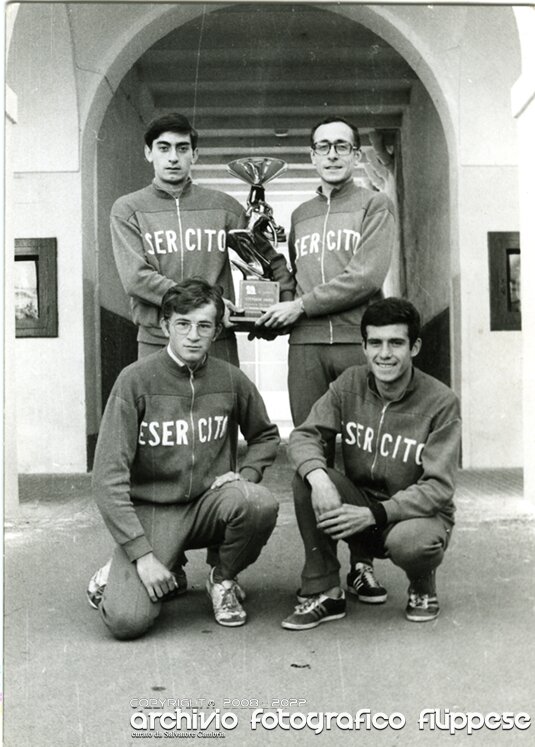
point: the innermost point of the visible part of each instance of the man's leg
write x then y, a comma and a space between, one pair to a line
321, 569
417, 546
126, 607
311, 368
239, 517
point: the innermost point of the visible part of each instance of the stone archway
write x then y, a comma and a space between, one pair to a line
146, 31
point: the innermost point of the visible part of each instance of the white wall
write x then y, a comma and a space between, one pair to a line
44, 201
50, 386
523, 108
488, 201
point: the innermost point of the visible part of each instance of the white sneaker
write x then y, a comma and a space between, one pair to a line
97, 584
227, 609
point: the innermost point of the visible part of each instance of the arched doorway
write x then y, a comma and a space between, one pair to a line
267, 96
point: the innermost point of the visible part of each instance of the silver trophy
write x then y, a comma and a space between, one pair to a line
255, 245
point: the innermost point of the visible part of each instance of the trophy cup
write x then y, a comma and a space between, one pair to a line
255, 245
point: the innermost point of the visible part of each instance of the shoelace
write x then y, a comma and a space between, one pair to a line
419, 600
307, 605
366, 577
229, 600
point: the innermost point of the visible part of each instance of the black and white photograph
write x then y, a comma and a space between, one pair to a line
269, 373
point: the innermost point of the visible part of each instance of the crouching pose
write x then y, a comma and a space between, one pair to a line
400, 432
165, 476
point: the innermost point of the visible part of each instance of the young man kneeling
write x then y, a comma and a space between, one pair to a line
401, 433
165, 477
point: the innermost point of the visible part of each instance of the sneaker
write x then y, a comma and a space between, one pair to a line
423, 602
361, 582
314, 611
241, 596
227, 609
303, 597
97, 584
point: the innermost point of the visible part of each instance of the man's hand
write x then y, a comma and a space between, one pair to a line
223, 479
230, 308
281, 314
155, 577
345, 520
324, 495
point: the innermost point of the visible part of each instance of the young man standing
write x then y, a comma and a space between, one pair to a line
174, 229
401, 434
340, 246
165, 476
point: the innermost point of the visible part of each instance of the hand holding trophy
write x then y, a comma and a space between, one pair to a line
255, 245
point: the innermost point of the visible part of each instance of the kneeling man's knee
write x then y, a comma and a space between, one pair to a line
262, 504
414, 550
126, 625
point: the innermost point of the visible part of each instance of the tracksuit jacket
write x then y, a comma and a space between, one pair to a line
159, 239
168, 432
340, 249
404, 453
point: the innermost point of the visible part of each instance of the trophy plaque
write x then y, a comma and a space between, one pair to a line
255, 244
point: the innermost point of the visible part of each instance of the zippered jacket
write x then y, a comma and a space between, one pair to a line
160, 239
403, 453
340, 249
168, 432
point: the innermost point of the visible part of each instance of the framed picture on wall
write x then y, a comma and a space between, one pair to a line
36, 296
504, 275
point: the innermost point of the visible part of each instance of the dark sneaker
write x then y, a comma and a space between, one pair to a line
303, 597
227, 609
361, 582
314, 611
97, 584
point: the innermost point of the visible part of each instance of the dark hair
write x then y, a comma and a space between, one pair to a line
392, 311
329, 120
192, 293
173, 122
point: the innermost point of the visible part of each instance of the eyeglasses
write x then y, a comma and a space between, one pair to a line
341, 147
203, 329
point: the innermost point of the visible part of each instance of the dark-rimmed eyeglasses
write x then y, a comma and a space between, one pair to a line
341, 147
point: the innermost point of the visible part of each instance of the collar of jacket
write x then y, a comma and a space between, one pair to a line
345, 189
182, 369
168, 193
411, 386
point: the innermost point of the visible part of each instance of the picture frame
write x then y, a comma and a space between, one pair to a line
36, 288
504, 280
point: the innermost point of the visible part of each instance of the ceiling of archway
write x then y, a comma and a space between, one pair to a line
253, 79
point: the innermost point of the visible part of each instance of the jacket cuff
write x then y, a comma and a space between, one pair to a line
250, 474
392, 511
310, 465
137, 547
379, 514
286, 295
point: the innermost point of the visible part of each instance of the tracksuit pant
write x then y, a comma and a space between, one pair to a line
415, 545
239, 518
311, 368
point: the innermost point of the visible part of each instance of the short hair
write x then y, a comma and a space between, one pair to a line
173, 122
190, 294
329, 120
392, 311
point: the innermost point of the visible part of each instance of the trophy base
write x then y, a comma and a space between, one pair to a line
254, 297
